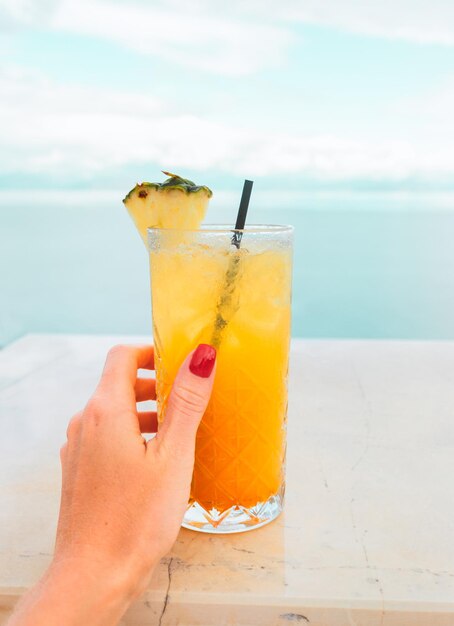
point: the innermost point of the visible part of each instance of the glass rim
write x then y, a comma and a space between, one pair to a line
226, 228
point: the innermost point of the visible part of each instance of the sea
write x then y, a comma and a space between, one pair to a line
366, 264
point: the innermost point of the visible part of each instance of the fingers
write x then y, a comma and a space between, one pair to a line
74, 425
148, 421
120, 371
187, 401
145, 389
63, 453
72, 435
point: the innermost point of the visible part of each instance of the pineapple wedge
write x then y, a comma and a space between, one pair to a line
175, 203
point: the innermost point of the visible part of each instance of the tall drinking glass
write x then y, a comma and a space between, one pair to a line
206, 290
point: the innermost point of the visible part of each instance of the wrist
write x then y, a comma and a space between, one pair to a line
71, 593
81, 592
101, 596
125, 581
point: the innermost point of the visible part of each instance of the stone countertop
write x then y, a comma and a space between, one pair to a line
367, 536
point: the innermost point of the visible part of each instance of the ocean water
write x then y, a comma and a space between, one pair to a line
366, 265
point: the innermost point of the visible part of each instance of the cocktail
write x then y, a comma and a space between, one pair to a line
204, 290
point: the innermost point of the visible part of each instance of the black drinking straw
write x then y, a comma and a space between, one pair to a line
242, 213
225, 307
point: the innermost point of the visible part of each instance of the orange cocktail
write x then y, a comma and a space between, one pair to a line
204, 290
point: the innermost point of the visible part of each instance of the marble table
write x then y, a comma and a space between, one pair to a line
367, 537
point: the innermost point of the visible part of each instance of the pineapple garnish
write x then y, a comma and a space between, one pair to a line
175, 203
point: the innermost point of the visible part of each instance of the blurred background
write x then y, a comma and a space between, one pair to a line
340, 111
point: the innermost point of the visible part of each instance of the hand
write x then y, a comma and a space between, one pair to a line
123, 499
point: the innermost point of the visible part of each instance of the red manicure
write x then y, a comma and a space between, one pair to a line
203, 360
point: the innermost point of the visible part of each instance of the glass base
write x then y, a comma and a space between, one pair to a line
237, 519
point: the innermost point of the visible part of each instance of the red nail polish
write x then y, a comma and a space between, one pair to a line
203, 360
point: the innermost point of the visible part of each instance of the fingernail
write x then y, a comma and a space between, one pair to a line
203, 360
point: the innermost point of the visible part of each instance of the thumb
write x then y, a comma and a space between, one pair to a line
188, 400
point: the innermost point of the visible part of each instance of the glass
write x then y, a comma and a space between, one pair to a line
205, 290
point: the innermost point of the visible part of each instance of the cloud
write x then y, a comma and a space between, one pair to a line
412, 20
193, 35
204, 41
237, 39
20, 13
433, 110
77, 131
252, 33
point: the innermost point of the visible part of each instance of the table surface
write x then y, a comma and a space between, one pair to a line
367, 536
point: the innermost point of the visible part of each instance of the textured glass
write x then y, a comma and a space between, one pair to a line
205, 290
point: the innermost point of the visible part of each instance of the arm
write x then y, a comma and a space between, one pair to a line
122, 499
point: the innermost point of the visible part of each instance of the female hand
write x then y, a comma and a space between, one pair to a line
123, 499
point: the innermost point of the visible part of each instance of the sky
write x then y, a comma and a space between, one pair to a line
97, 94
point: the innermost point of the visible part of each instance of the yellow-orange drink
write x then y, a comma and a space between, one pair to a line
204, 290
